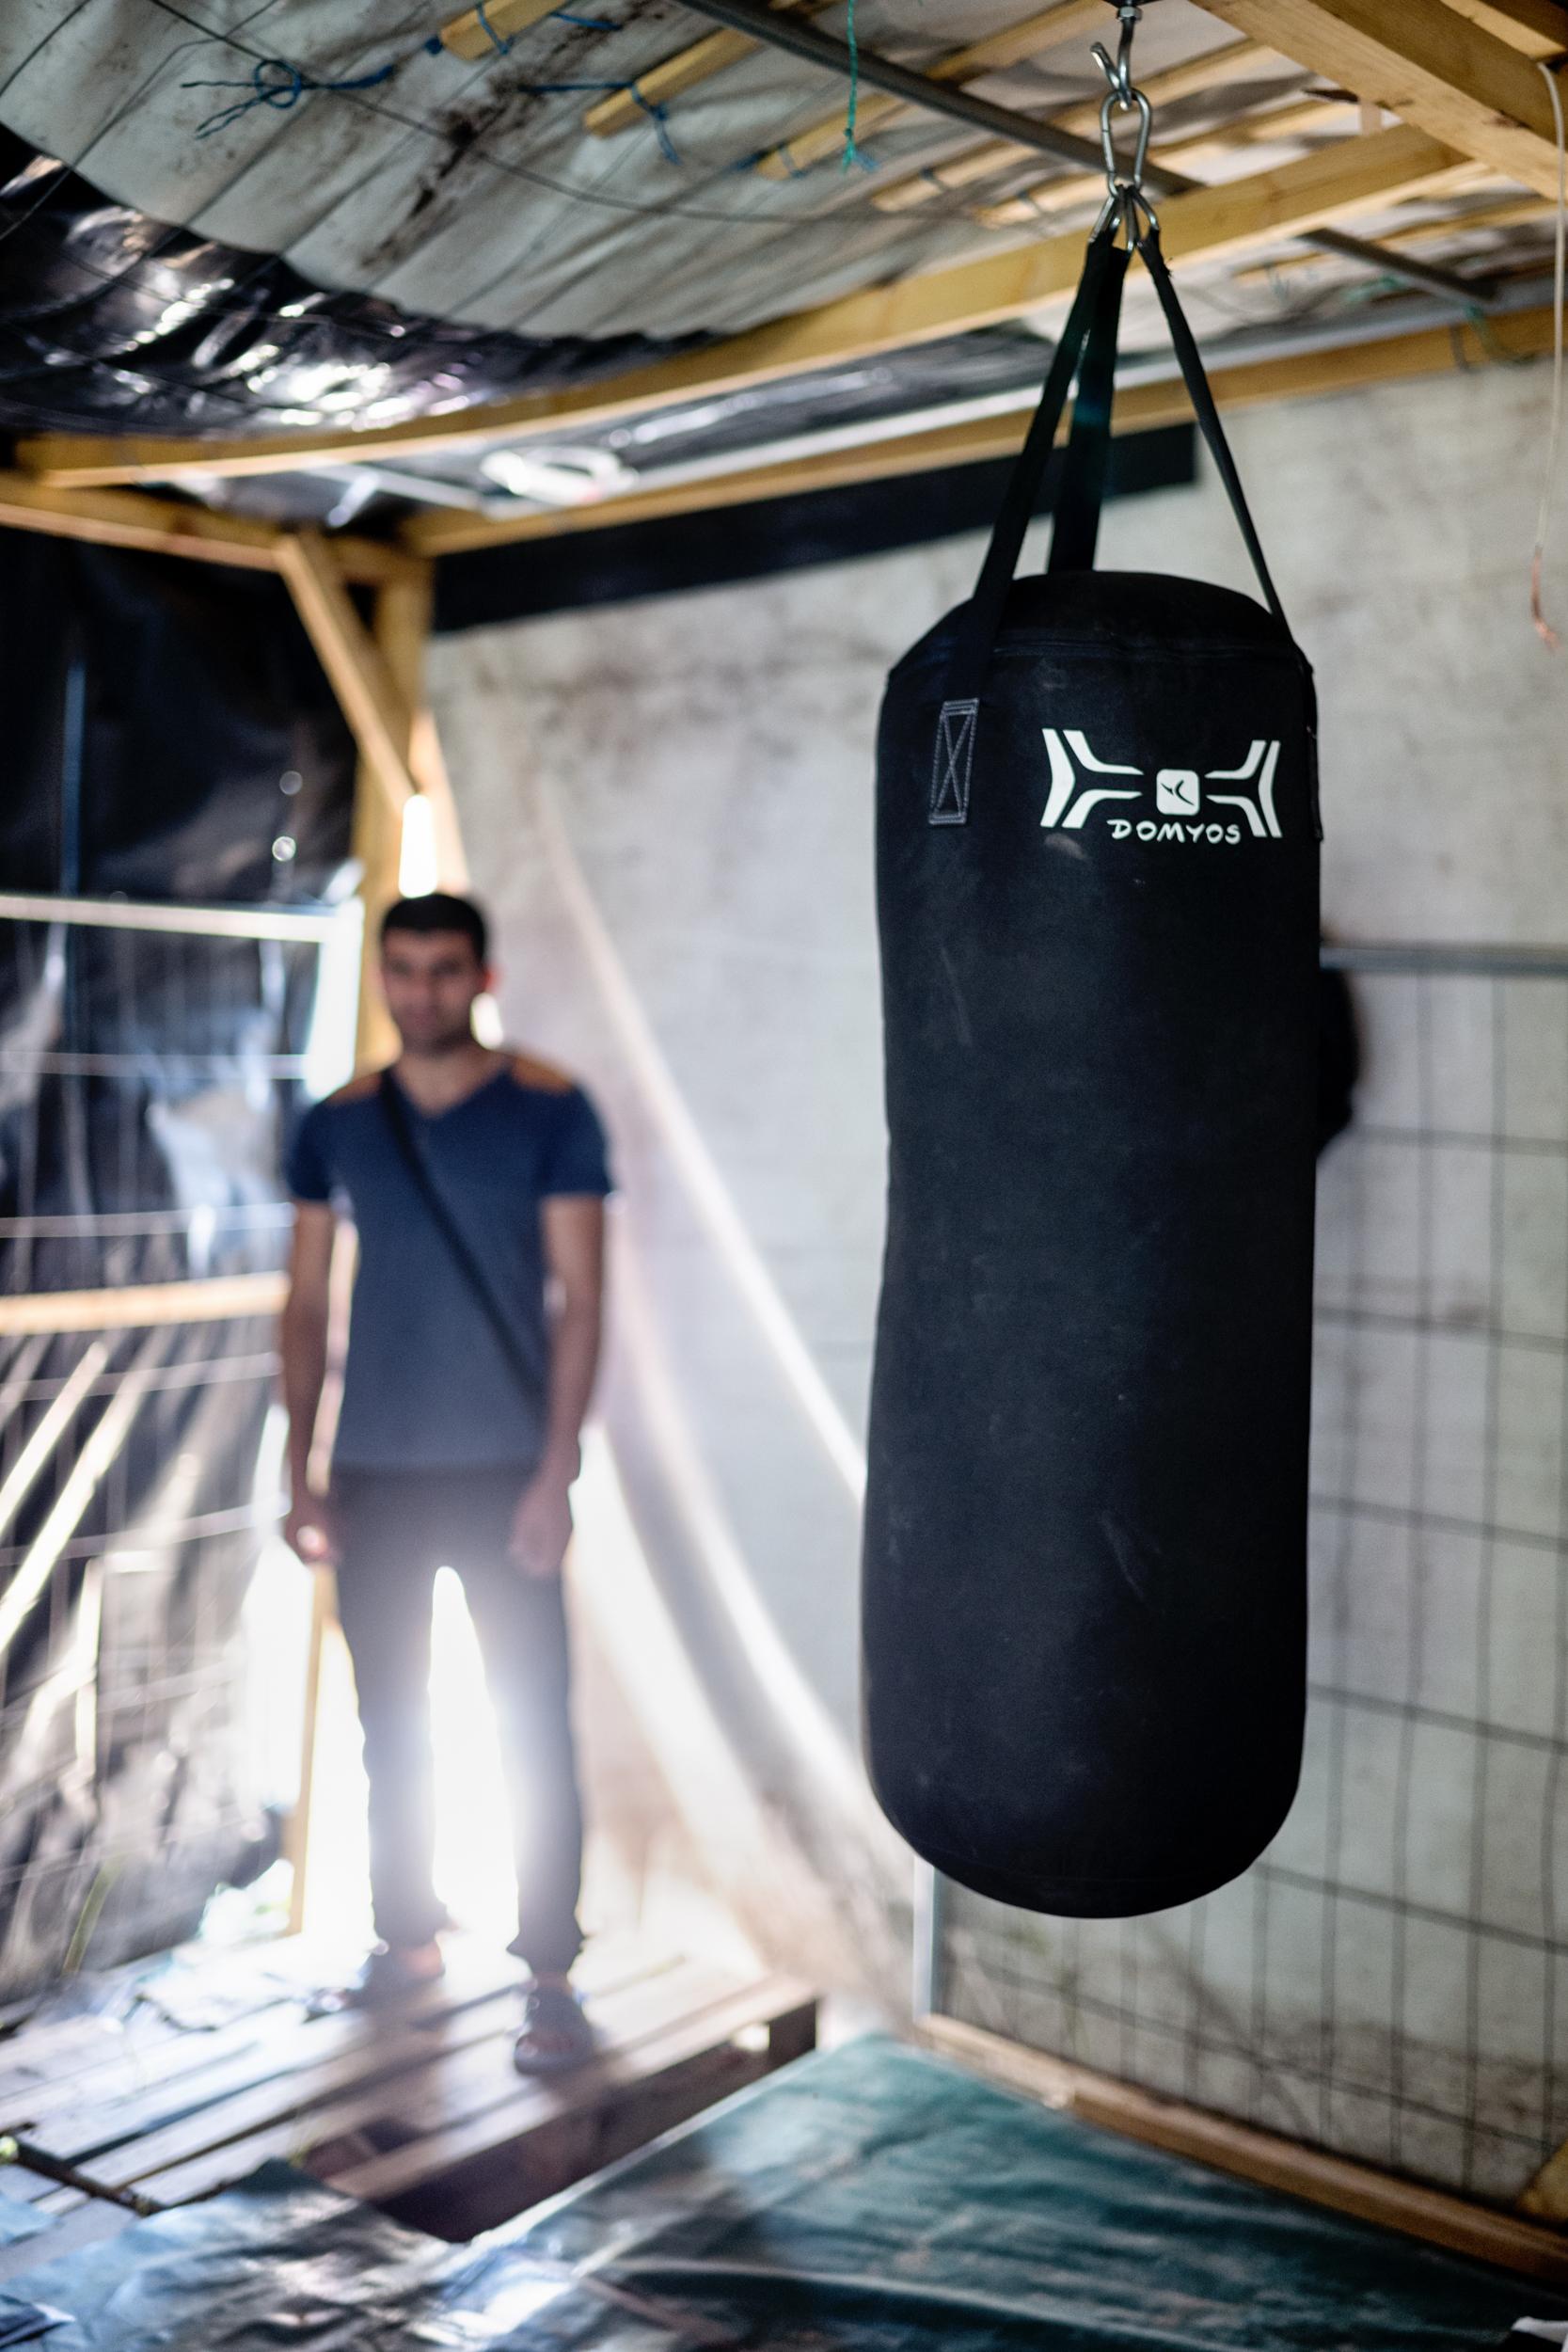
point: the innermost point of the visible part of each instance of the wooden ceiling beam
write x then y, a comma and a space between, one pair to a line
656, 85
1429, 64
1209, 224
1537, 28
474, 36
1515, 212
1139, 408
154, 526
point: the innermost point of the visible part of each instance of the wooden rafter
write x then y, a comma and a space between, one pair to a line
1257, 383
1537, 28
473, 35
1429, 64
1265, 209
1070, 20
1211, 72
152, 525
1517, 212
656, 85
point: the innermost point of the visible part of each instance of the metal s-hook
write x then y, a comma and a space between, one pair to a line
1128, 14
1126, 200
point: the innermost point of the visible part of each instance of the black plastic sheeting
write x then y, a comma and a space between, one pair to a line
169, 737
871, 2196
110, 319
153, 708
924, 379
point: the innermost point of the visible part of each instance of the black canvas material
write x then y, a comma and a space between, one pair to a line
1084, 1600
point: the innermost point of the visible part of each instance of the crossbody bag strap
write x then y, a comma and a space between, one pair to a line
474, 1274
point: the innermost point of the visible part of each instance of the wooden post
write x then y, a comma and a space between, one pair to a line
296, 1843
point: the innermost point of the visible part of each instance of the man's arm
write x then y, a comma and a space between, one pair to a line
573, 1225
303, 1340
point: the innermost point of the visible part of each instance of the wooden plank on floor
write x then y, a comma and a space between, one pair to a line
128, 2075
686, 2060
454, 2104
476, 1998
404, 2065
137, 2072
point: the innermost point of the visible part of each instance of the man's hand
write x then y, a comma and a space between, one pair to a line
541, 1523
310, 1531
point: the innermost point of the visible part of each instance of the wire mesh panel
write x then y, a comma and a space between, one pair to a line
1389, 1981
147, 1061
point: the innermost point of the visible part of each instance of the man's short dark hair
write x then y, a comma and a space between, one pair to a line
438, 910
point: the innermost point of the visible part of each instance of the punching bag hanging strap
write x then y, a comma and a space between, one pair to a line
1083, 487
953, 761
1197, 381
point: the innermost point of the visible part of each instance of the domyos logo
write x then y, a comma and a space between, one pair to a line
1183, 805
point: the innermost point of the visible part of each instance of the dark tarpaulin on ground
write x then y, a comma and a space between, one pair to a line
165, 726
870, 2198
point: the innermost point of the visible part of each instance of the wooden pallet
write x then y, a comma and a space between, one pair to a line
418, 2108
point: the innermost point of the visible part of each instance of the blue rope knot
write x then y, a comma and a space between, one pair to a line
274, 82
282, 94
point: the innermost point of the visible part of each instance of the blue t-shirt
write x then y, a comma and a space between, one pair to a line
426, 1384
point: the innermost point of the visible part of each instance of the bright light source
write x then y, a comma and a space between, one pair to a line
474, 1876
416, 874
488, 1027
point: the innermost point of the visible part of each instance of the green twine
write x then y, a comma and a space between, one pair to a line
851, 152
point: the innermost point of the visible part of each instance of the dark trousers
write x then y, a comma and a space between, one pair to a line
396, 1529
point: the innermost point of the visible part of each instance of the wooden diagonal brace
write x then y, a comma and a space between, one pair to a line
360, 675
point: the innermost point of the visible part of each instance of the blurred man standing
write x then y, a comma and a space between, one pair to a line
476, 1181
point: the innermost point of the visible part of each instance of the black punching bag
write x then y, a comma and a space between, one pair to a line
1084, 1606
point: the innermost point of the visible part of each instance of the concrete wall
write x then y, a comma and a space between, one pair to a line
669, 808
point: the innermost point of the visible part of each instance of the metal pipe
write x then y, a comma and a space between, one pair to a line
801, 39
930, 1891
1481, 962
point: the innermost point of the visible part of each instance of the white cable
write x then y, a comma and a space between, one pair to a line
1554, 444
